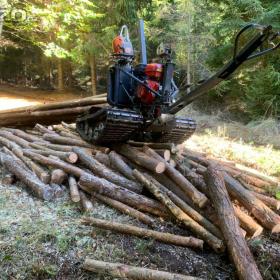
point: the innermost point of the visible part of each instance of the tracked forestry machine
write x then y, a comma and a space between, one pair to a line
143, 99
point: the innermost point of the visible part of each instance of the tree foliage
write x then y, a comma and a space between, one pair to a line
200, 32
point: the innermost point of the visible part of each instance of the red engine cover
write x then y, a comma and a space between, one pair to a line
146, 96
122, 45
154, 71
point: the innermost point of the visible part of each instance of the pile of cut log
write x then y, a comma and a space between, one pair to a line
221, 202
50, 113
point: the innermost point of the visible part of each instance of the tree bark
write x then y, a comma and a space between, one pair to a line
236, 243
120, 165
248, 223
255, 173
103, 158
145, 233
123, 208
188, 210
10, 136
55, 147
40, 172
44, 129
197, 197
40, 189
131, 272
165, 154
60, 79
58, 176
105, 172
7, 143
169, 146
259, 210
66, 141
88, 101
93, 184
269, 201
26, 136
142, 159
70, 157
68, 168
183, 217
196, 179
74, 190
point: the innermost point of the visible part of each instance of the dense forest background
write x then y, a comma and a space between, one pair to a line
67, 44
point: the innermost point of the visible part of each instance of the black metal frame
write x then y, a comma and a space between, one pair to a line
246, 53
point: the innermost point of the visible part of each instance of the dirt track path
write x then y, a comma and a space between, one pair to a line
12, 97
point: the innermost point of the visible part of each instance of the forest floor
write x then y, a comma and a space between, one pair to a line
46, 240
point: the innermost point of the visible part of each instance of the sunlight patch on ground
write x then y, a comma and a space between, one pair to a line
263, 158
10, 103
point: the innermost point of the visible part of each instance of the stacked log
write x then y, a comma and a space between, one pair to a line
151, 183
50, 113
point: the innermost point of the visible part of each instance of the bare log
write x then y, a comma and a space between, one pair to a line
92, 184
172, 163
55, 147
66, 141
101, 170
85, 202
120, 165
142, 159
236, 243
169, 146
40, 172
70, 157
269, 201
123, 208
7, 143
43, 129
131, 272
145, 233
257, 174
188, 209
74, 189
10, 136
260, 211
46, 117
248, 223
183, 217
69, 126
165, 154
24, 135
58, 176
68, 168
196, 179
69, 135
40, 189
197, 197
57, 105
199, 168
103, 158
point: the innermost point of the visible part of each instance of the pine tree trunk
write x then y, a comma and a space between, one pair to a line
93, 73
60, 83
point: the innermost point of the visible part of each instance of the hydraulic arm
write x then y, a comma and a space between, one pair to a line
249, 51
